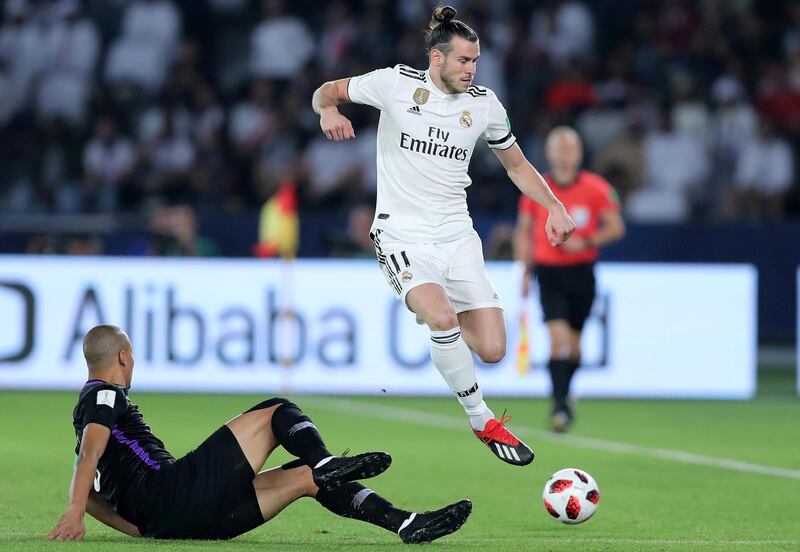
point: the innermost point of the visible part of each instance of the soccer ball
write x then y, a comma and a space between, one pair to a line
571, 495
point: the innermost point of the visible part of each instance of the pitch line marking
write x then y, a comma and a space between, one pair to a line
116, 538
633, 541
400, 414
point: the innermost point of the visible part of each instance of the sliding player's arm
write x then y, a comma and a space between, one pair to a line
335, 125
93, 444
559, 225
99, 509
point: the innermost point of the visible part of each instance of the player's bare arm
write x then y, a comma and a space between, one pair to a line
612, 228
93, 444
101, 510
560, 225
334, 125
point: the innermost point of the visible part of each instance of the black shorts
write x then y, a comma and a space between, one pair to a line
566, 292
207, 494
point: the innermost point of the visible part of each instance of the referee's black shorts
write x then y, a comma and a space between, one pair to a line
207, 494
566, 292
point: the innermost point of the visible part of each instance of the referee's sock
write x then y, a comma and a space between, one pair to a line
298, 435
560, 375
354, 500
453, 360
574, 364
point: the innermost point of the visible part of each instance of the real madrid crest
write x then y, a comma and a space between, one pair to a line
465, 119
421, 96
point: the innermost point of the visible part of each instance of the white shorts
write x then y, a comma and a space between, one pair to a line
457, 266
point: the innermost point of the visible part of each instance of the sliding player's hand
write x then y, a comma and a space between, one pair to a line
559, 226
69, 527
335, 125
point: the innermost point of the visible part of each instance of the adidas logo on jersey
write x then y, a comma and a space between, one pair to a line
415, 110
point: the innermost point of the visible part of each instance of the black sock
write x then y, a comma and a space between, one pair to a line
298, 435
574, 364
354, 500
559, 376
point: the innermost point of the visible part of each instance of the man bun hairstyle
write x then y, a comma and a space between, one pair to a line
443, 27
442, 14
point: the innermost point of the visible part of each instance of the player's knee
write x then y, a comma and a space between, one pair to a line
493, 352
442, 321
286, 412
288, 419
269, 403
283, 403
560, 349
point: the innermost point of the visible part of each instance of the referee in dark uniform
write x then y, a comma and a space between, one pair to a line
565, 274
125, 478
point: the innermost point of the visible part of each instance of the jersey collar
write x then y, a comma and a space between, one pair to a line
435, 90
574, 181
93, 382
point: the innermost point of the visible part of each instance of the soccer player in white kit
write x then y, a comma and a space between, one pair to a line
426, 246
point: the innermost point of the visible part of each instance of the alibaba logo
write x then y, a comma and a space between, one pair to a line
27, 323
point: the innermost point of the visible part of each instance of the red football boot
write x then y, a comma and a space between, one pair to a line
503, 444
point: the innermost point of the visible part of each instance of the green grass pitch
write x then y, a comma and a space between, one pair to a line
673, 475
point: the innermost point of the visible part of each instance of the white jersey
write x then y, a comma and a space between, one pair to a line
425, 141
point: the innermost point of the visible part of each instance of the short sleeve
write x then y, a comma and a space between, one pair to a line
498, 129
103, 405
374, 88
607, 198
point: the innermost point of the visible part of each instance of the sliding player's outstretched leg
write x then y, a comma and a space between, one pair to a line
343, 469
429, 526
355, 501
299, 436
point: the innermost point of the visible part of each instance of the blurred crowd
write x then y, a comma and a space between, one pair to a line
691, 108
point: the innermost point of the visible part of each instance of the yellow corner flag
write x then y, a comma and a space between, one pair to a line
279, 225
523, 348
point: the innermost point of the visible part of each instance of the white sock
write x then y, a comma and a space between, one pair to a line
452, 358
479, 421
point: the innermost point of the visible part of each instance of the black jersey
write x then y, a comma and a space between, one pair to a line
133, 454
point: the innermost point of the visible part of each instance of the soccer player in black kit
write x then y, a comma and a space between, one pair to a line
126, 479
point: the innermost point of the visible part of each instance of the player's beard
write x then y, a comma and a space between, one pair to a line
454, 86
